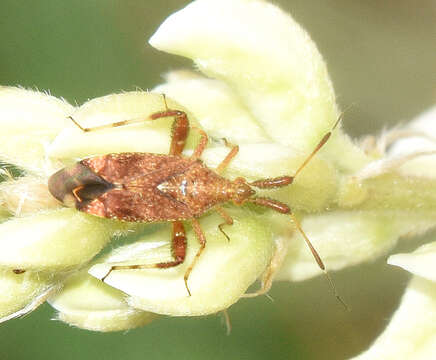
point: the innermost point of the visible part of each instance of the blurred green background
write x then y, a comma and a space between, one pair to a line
382, 58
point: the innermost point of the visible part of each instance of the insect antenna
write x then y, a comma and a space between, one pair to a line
319, 261
285, 209
227, 322
318, 147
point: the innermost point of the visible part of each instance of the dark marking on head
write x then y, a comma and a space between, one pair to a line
18, 271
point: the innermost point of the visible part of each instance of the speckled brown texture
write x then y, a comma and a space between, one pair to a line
152, 187
143, 187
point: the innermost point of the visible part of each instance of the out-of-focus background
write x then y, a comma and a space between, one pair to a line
382, 58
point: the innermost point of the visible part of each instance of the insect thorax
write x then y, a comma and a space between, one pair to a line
199, 188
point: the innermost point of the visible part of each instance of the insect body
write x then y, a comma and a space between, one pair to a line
144, 187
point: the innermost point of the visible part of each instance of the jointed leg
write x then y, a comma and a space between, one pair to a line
155, 116
280, 251
201, 145
178, 249
233, 152
180, 127
179, 132
227, 220
178, 246
202, 240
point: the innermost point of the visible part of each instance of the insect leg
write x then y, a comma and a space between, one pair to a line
178, 246
180, 132
201, 145
154, 116
178, 249
233, 152
227, 220
202, 240
280, 251
180, 129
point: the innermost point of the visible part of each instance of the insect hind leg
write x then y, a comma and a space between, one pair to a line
178, 249
180, 128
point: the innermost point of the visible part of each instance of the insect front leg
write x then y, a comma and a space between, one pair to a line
201, 145
227, 220
233, 152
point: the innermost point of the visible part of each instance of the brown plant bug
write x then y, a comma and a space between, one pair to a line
146, 187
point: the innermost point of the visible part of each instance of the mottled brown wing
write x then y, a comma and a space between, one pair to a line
136, 198
123, 168
137, 207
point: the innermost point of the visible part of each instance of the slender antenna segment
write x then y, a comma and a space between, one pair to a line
227, 321
77, 124
164, 97
318, 147
318, 260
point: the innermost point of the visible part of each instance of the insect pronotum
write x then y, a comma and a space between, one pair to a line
146, 187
